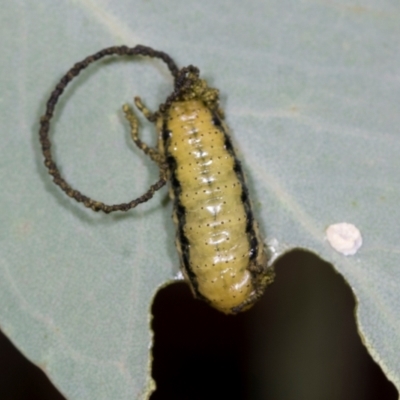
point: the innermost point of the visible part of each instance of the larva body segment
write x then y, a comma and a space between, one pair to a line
221, 252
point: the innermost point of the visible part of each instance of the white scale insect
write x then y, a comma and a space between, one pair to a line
222, 255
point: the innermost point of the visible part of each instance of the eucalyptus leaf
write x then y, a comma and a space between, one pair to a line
311, 91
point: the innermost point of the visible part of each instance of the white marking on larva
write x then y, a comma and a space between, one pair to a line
214, 210
344, 238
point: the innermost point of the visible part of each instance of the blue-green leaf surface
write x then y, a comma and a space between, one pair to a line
311, 91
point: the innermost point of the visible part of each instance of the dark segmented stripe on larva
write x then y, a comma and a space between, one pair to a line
179, 209
250, 228
216, 119
165, 133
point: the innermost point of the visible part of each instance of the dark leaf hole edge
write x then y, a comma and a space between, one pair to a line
299, 342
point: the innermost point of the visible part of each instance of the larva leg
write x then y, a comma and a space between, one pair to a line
134, 124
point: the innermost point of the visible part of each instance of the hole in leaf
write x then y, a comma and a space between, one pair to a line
20, 379
299, 342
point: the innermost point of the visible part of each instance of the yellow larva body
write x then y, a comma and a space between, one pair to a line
221, 252
222, 255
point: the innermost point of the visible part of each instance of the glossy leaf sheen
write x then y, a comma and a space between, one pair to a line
311, 92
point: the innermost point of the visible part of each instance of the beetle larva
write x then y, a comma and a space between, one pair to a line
222, 255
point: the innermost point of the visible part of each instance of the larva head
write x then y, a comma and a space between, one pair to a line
189, 86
